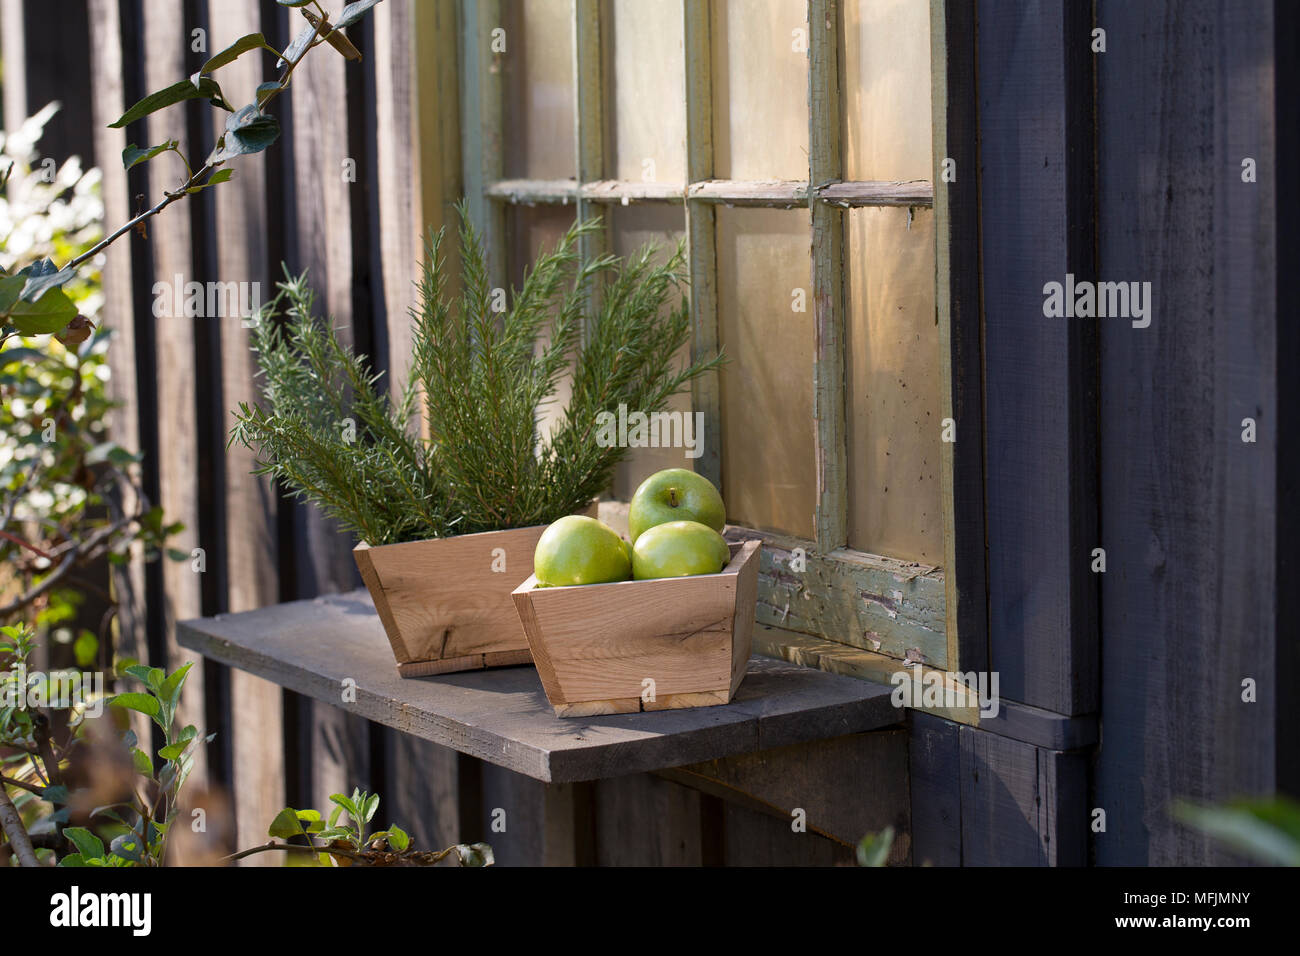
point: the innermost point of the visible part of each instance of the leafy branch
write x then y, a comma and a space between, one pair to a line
32, 301
328, 428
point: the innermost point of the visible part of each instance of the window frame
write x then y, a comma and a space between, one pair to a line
873, 606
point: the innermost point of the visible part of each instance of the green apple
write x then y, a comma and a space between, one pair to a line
580, 550
675, 494
676, 549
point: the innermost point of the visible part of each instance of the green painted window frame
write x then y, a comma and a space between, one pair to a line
873, 605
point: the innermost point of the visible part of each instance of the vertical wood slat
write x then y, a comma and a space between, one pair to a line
480, 96
1040, 372
319, 233
118, 315
174, 336
826, 165
701, 232
1190, 511
416, 123
957, 302
588, 132
256, 711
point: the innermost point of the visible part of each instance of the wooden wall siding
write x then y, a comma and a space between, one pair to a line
960, 317
1035, 122
1191, 605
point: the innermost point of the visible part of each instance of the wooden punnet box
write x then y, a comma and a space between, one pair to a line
597, 647
443, 605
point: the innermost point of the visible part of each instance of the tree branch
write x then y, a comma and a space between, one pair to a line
16, 832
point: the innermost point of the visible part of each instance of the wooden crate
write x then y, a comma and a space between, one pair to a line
596, 645
443, 606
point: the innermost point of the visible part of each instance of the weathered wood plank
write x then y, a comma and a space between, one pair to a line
701, 231
846, 787
1190, 510
710, 192
503, 717
108, 103
1035, 128
527, 822
868, 601
825, 163
481, 129
177, 462
642, 820
934, 767
751, 838
958, 307
999, 788
251, 572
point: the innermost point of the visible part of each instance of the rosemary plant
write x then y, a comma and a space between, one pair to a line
327, 427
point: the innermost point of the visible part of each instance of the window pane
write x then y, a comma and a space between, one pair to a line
760, 89
634, 226
887, 89
529, 229
537, 138
768, 468
645, 91
893, 374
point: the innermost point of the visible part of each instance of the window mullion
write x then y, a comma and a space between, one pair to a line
701, 229
481, 104
589, 138
825, 166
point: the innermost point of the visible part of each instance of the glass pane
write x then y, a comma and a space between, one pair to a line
633, 226
760, 89
645, 91
768, 468
537, 138
893, 402
887, 89
529, 229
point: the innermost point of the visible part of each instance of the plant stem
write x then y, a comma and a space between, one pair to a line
16, 832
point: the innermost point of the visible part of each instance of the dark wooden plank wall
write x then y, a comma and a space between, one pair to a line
178, 379
1191, 600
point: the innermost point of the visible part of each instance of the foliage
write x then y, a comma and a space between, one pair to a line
33, 298
1268, 830
346, 843
136, 828
873, 849
63, 484
327, 427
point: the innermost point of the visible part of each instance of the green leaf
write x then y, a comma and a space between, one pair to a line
133, 155
143, 703
139, 671
347, 804
73, 859
127, 846
179, 745
170, 691
371, 805
353, 12
47, 315
398, 838
85, 648
293, 3
248, 130
298, 46
207, 88
143, 765
873, 849
230, 54
220, 176
87, 843
264, 90
42, 275
286, 824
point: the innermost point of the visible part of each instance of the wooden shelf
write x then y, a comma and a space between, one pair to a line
314, 647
